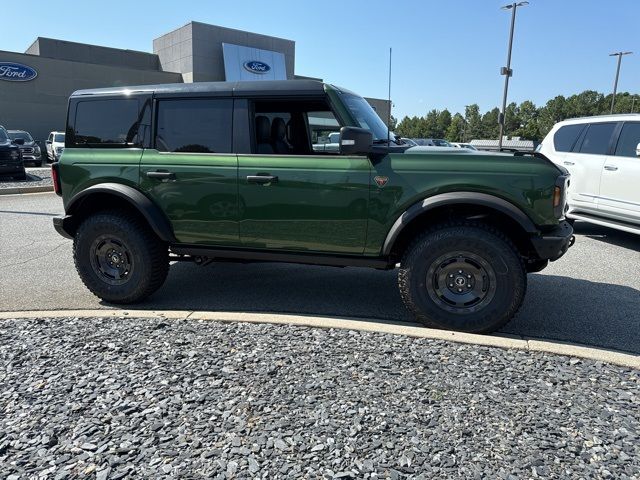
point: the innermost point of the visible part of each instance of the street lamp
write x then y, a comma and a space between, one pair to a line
615, 85
506, 71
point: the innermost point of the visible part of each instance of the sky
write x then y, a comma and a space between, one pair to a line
446, 54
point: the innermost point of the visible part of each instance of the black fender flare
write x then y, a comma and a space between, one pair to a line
154, 216
456, 198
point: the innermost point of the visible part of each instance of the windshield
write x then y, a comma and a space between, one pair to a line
441, 143
58, 138
3, 135
365, 116
23, 135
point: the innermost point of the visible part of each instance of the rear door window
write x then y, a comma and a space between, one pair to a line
106, 123
629, 140
194, 125
598, 138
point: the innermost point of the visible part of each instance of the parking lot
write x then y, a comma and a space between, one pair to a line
590, 296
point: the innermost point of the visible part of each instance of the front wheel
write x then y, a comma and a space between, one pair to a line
464, 277
118, 258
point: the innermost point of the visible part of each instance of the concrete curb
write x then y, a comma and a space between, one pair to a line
18, 190
501, 341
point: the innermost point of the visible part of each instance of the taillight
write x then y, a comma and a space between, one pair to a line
55, 178
560, 195
557, 197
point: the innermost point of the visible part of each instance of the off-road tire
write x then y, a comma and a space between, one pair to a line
147, 254
482, 249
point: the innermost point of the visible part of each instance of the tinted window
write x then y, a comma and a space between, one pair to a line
596, 140
23, 135
106, 122
566, 136
629, 139
3, 135
198, 126
58, 138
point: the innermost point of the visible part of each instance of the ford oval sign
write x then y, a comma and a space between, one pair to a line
254, 66
16, 72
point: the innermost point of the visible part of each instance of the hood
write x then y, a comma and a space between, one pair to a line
452, 150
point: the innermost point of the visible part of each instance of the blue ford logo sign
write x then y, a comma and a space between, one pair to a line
254, 66
16, 72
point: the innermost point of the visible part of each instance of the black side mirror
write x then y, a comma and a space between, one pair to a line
48, 142
19, 141
355, 141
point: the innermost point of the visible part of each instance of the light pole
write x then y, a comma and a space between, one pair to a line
615, 85
506, 71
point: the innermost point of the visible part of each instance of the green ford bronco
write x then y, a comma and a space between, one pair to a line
304, 172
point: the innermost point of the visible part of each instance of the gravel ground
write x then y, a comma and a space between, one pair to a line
131, 398
36, 177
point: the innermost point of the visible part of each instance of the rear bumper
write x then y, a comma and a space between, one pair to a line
63, 226
555, 243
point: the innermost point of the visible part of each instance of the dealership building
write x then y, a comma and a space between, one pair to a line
35, 85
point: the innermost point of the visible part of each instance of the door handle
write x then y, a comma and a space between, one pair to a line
161, 175
262, 179
568, 163
611, 168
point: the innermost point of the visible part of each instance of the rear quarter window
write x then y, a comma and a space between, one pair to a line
106, 123
566, 137
629, 140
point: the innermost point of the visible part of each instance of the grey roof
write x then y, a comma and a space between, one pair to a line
299, 87
505, 143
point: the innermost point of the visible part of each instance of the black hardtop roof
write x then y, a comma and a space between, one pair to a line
268, 87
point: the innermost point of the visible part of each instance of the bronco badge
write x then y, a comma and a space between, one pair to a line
381, 181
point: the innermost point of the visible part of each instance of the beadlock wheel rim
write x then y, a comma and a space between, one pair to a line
461, 282
111, 260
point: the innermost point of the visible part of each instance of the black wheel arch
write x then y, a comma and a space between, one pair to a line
447, 206
104, 195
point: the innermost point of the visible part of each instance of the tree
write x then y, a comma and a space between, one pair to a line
455, 132
511, 119
524, 120
473, 122
443, 123
489, 124
529, 128
553, 112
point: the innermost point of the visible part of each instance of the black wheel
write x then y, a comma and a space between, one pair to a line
118, 257
464, 277
20, 176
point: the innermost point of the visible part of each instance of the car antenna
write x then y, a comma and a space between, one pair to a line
389, 115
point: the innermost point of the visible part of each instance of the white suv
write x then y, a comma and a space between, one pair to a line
55, 146
603, 156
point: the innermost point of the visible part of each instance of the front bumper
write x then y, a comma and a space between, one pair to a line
63, 226
555, 243
11, 169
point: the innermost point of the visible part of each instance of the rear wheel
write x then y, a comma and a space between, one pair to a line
118, 257
464, 277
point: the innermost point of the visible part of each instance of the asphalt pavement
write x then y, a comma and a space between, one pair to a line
591, 296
